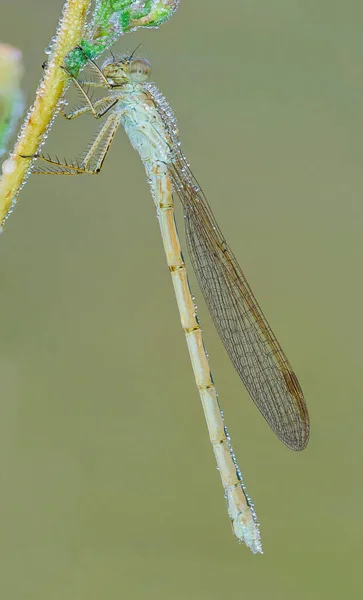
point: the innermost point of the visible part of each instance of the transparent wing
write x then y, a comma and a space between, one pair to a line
246, 335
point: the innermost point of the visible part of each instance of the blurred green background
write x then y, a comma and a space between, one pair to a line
108, 482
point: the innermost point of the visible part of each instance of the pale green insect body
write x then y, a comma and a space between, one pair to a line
249, 341
138, 110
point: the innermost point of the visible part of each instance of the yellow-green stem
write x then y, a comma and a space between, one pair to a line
50, 90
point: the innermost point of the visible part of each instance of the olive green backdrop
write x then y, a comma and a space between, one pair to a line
108, 483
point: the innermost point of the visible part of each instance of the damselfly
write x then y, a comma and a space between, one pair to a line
251, 345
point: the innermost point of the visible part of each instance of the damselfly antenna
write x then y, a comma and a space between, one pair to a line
134, 52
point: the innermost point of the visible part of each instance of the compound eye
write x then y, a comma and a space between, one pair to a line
140, 69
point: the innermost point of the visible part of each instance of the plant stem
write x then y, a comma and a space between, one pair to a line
50, 90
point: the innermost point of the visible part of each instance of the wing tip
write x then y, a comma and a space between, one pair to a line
297, 442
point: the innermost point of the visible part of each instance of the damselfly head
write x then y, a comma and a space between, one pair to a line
126, 70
